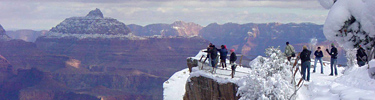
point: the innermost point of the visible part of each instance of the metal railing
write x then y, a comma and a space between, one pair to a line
233, 71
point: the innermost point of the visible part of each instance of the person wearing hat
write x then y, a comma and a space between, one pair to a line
361, 56
305, 60
289, 51
333, 55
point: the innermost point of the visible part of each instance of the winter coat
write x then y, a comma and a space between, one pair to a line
318, 54
213, 53
361, 55
233, 57
333, 52
208, 55
305, 55
289, 50
223, 53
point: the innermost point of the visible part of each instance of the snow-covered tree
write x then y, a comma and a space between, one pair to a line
269, 78
350, 23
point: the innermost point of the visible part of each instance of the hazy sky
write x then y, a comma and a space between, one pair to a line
45, 14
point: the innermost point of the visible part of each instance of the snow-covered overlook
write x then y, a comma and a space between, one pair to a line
254, 83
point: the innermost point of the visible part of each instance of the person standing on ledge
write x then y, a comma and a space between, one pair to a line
213, 55
333, 55
289, 51
305, 60
232, 59
223, 56
318, 57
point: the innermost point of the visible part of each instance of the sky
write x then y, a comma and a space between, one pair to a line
45, 14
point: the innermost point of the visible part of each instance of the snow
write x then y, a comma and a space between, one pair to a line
326, 3
84, 36
178, 80
129, 36
360, 31
354, 84
269, 78
174, 87
351, 83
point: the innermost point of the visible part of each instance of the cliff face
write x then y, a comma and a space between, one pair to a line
95, 54
202, 88
26, 34
3, 36
178, 28
73, 74
6, 69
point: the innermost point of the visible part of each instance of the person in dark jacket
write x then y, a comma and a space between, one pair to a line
361, 56
208, 54
232, 59
223, 56
333, 55
305, 60
213, 55
318, 57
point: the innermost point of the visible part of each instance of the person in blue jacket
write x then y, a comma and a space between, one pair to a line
223, 56
318, 57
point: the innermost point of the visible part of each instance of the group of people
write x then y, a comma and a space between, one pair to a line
212, 55
306, 61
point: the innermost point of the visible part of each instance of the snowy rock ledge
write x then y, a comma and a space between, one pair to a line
268, 79
202, 84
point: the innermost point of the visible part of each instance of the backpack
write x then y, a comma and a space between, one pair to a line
305, 55
293, 54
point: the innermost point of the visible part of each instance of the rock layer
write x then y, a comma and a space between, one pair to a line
3, 36
93, 23
202, 88
178, 28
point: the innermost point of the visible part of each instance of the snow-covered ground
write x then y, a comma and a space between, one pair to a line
354, 84
174, 87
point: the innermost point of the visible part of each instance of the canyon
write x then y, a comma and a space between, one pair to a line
97, 57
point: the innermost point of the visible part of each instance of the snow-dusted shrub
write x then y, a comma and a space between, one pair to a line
350, 23
269, 78
351, 57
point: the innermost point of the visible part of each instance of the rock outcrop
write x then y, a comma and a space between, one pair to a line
26, 34
92, 23
202, 88
6, 69
3, 35
178, 28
